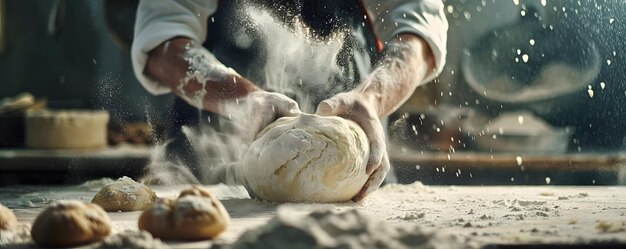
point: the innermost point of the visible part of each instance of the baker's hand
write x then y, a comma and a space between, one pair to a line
253, 112
353, 106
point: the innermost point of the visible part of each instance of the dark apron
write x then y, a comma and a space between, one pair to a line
224, 27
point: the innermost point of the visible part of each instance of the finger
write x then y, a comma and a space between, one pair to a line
326, 108
373, 130
371, 127
291, 108
284, 106
378, 148
375, 180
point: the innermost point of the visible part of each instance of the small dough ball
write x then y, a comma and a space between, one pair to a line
125, 195
307, 158
70, 223
195, 215
8, 221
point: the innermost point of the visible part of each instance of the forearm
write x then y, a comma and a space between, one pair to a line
406, 62
195, 75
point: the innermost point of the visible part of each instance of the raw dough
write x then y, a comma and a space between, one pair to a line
70, 223
66, 129
8, 221
307, 158
195, 215
125, 195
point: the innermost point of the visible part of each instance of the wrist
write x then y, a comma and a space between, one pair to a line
369, 98
231, 91
351, 105
164, 62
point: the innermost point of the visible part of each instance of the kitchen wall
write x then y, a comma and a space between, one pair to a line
74, 64
77, 63
597, 118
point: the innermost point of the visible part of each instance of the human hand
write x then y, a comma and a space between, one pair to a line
253, 112
353, 106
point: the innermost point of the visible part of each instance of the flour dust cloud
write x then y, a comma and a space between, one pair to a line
294, 56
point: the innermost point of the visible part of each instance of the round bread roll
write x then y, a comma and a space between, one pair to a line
307, 158
8, 221
70, 223
125, 195
195, 215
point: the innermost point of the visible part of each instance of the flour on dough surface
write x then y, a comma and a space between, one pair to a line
307, 158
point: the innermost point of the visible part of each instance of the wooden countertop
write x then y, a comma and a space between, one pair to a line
510, 215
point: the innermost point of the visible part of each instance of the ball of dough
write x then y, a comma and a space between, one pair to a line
195, 215
125, 195
8, 221
70, 223
307, 158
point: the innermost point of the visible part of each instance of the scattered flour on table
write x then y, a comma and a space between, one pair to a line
516, 202
579, 195
97, 184
520, 209
19, 237
611, 226
416, 187
411, 216
349, 229
127, 239
41, 196
131, 239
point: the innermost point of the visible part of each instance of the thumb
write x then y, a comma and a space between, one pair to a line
289, 108
326, 108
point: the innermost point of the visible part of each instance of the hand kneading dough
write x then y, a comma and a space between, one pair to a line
8, 221
308, 158
70, 223
125, 195
195, 215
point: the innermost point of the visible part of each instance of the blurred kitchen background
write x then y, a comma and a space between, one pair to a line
532, 93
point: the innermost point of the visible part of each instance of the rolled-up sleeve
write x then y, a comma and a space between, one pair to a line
424, 18
160, 20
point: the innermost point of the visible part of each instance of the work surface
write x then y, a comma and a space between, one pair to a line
486, 215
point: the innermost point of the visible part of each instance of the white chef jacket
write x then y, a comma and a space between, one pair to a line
160, 20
